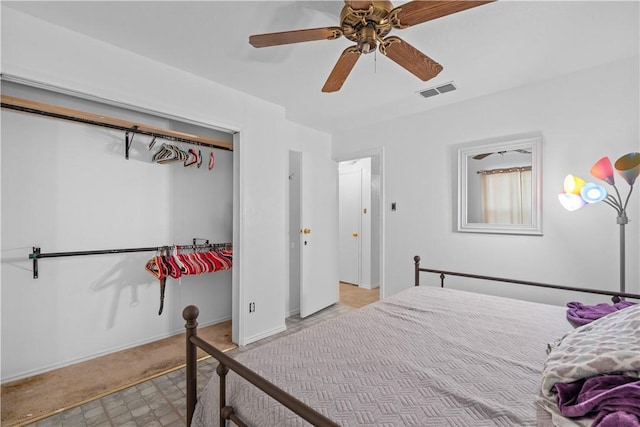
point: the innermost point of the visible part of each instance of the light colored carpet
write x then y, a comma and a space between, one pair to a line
27, 400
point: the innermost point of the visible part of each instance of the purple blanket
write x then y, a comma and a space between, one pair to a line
579, 314
613, 399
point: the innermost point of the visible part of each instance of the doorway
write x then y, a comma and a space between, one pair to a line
360, 221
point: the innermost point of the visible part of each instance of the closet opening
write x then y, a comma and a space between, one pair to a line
68, 188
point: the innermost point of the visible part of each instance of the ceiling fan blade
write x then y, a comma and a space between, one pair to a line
342, 69
297, 36
419, 11
481, 156
410, 58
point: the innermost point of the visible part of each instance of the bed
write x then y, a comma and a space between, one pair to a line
427, 356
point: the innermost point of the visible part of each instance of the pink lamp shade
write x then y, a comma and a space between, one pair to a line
628, 166
603, 170
593, 193
573, 184
571, 202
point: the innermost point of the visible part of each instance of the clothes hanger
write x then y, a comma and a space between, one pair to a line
192, 158
169, 154
178, 261
196, 263
162, 153
209, 267
152, 267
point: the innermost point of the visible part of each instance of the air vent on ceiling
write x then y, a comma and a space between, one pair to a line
447, 87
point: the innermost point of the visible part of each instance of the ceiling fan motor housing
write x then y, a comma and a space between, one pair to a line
368, 26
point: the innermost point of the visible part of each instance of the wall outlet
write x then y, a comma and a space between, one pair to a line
252, 307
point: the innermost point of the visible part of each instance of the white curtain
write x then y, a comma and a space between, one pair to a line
506, 196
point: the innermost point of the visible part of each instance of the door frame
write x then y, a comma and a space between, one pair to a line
376, 155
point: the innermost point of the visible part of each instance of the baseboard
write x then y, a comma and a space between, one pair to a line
293, 313
265, 334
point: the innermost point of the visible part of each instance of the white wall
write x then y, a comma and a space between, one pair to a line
35, 50
581, 120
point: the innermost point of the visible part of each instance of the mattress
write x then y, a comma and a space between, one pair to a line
426, 356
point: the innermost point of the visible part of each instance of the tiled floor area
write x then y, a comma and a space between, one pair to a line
161, 401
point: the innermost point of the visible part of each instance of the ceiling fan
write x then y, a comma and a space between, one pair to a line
368, 23
483, 155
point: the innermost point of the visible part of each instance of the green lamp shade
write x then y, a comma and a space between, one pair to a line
593, 193
571, 202
603, 170
628, 166
573, 184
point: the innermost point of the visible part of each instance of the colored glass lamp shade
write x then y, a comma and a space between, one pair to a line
628, 166
593, 193
603, 170
573, 184
571, 202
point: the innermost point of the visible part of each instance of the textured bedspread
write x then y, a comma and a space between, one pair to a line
425, 357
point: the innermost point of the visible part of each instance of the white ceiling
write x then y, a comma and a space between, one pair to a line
483, 50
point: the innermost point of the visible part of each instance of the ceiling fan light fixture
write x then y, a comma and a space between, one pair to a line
367, 39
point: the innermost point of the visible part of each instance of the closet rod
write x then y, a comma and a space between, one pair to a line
37, 254
33, 107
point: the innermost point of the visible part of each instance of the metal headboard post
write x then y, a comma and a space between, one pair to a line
190, 314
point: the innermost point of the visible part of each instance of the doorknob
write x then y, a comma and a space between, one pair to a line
355, 234
306, 231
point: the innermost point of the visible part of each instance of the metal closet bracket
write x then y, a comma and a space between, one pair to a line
128, 141
34, 256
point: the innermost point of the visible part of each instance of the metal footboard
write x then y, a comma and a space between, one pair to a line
190, 314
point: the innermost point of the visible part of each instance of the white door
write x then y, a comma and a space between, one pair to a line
318, 239
350, 203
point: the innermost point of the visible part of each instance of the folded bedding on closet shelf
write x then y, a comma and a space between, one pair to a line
579, 314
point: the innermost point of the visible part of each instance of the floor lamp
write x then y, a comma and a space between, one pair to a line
578, 192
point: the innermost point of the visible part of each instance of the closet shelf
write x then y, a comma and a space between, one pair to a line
37, 254
33, 107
